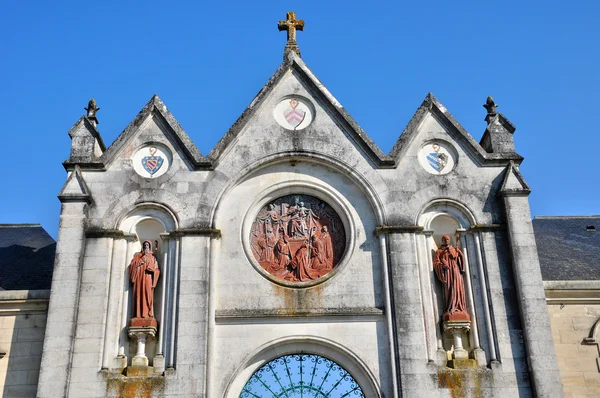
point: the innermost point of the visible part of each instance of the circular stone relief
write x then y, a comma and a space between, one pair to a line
152, 161
297, 238
294, 113
437, 158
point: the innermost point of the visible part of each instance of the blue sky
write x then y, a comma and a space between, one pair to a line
206, 60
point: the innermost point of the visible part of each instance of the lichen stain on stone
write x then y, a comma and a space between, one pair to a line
299, 301
135, 387
461, 383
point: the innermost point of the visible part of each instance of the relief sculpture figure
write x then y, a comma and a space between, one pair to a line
293, 242
301, 266
143, 274
448, 263
283, 254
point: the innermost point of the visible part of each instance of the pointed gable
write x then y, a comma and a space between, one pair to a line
155, 107
431, 106
513, 182
295, 64
75, 189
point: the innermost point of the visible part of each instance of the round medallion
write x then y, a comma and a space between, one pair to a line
297, 238
437, 157
294, 113
152, 161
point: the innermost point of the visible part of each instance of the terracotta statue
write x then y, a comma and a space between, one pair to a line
143, 273
449, 266
297, 238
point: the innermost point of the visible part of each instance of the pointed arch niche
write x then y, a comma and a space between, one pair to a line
447, 217
153, 222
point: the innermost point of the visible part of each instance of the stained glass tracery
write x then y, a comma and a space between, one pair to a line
301, 375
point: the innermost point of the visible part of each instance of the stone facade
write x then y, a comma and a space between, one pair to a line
22, 327
574, 308
221, 314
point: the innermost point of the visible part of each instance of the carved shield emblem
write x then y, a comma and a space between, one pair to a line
293, 114
152, 163
437, 160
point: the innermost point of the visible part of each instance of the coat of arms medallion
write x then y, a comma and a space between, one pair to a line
153, 162
294, 113
437, 158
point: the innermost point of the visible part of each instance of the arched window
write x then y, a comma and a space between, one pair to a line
301, 375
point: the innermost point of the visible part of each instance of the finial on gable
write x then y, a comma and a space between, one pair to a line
291, 24
91, 111
498, 135
491, 106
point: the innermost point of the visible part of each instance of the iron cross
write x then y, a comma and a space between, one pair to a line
291, 24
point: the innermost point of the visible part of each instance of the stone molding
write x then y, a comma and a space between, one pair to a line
210, 232
118, 234
572, 292
487, 228
24, 302
226, 315
104, 233
398, 229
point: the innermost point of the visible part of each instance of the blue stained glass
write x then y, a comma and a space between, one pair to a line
301, 375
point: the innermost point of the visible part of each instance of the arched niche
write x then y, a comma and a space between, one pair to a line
304, 345
445, 216
439, 218
148, 222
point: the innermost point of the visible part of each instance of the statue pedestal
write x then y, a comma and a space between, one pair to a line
141, 334
457, 328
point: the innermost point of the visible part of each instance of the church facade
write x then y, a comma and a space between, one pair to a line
296, 257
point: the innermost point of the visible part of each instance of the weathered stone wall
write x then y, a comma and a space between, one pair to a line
578, 361
22, 327
226, 314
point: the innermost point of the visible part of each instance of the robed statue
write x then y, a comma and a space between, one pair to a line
143, 274
449, 265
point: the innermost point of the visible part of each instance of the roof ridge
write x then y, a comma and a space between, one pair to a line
550, 217
19, 225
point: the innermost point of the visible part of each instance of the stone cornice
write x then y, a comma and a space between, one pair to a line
572, 292
104, 233
246, 314
24, 302
212, 232
487, 228
398, 229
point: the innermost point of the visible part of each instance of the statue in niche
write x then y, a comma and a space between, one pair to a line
297, 238
143, 274
448, 263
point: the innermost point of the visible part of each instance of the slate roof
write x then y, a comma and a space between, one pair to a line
569, 249
26, 257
